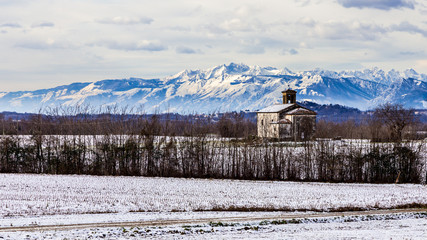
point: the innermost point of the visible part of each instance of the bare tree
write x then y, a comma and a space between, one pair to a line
396, 118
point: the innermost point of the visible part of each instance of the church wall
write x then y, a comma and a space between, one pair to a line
265, 127
304, 126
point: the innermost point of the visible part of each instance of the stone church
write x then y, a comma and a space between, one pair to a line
286, 121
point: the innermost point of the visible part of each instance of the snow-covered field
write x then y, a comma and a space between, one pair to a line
391, 226
40, 200
31, 194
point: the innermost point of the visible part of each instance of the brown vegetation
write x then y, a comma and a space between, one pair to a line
170, 145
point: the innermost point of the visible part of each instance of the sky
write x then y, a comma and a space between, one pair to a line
47, 43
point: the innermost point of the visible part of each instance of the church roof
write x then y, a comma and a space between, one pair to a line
276, 108
291, 109
301, 111
289, 91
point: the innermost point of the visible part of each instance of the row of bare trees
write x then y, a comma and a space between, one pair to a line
217, 146
386, 123
86, 121
212, 157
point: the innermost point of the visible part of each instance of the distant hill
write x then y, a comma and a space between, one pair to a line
335, 112
328, 112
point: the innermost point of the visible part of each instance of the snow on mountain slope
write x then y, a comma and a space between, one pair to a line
232, 87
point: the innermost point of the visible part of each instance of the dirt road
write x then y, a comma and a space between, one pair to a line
262, 216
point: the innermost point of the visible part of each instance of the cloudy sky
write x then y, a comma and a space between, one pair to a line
46, 43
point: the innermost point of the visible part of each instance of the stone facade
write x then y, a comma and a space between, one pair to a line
287, 121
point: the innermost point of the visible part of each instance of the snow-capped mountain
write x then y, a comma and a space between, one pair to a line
232, 87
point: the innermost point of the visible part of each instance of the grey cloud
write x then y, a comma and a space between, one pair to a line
212, 28
126, 20
350, 30
14, 2
150, 46
378, 4
362, 31
307, 21
291, 51
10, 25
409, 28
410, 53
252, 50
43, 24
270, 42
186, 50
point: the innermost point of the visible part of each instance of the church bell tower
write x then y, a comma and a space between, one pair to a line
289, 96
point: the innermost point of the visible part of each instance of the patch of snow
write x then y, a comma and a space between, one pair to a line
60, 93
275, 108
77, 98
47, 97
128, 93
26, 95
314, 93
15, 103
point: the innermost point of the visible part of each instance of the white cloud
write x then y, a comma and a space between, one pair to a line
43, 44
236, 24
92, 40
125, 20
144, 45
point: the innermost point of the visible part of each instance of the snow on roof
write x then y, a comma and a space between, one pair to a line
301, 111
275, 108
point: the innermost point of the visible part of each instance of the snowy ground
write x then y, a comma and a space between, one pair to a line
389, 226
38, 200
34, 195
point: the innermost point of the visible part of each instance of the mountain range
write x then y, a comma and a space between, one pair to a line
232, 87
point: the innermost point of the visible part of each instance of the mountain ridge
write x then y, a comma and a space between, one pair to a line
232, 87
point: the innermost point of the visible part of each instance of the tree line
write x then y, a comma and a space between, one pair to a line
205, 146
